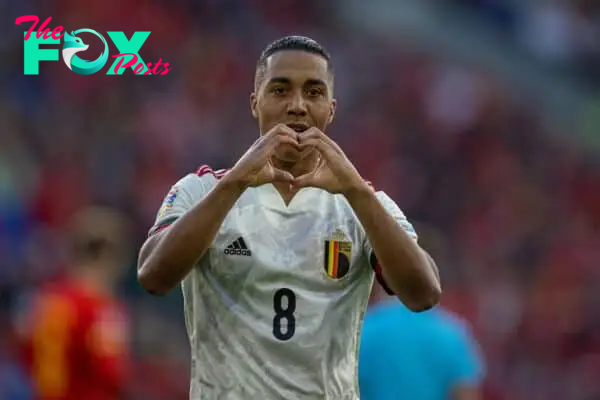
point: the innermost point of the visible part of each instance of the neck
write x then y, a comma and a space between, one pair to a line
93, 277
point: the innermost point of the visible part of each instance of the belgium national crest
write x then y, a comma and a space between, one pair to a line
338, 254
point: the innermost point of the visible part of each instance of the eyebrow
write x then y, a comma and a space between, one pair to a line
279, 80
315, 82
287, 81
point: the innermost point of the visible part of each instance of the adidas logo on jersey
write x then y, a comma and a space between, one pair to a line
238, 248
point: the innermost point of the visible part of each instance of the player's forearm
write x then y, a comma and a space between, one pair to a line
407, 269
168, 260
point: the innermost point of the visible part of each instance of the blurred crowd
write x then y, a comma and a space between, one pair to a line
564, 33
509, 209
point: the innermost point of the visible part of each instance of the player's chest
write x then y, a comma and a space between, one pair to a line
259, 244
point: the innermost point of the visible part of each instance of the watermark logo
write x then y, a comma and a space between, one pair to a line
128, 56
73, 45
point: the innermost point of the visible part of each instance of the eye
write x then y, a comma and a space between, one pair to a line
278, 90
315, 92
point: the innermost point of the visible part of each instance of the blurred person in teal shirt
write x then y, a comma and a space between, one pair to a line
417, 356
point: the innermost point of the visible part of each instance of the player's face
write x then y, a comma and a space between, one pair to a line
296, 90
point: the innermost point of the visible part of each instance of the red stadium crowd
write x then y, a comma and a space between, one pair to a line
509, 208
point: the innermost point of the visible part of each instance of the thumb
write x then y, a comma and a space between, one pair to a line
279, 175
305, 180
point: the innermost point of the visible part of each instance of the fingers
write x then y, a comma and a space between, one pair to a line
313, 142
316, 133
318, 143
281, 176
309, 180
279, 140
314, 137
304, 181
281, 134
312, 132
282, 130
312, 178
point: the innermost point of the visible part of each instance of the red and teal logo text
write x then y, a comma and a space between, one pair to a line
128, 49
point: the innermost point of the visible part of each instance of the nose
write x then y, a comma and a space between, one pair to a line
297, 105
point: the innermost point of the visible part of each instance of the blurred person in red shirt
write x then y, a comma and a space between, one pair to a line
75, 331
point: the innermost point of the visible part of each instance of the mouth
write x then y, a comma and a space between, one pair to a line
298, 127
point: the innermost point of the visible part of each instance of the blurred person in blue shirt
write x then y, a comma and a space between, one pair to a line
14, 383
417, 356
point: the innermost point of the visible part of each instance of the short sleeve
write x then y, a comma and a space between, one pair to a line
392, 208
181, 197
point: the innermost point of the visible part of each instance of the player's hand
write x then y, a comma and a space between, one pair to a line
334, 173
254, 168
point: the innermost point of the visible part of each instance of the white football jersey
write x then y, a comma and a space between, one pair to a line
274, 308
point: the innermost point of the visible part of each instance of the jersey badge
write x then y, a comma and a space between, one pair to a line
168, 202
338, 253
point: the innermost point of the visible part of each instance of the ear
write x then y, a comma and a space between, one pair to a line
332, 107
253, 105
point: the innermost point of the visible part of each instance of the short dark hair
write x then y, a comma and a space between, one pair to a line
293, 42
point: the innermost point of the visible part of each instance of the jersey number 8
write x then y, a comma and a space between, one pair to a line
284, 314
